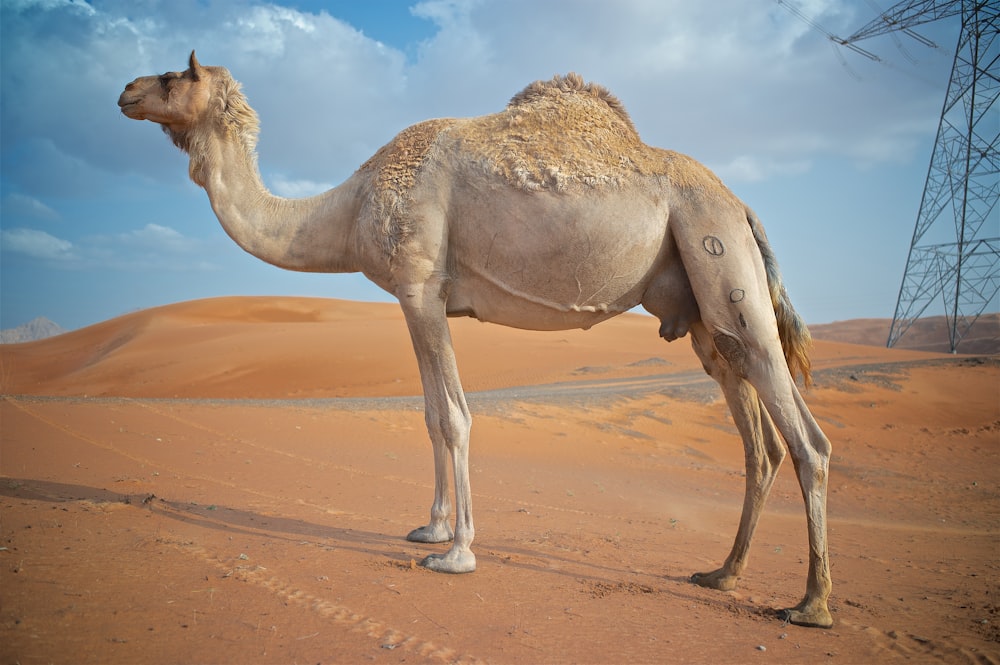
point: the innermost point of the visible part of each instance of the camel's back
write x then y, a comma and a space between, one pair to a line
556, 135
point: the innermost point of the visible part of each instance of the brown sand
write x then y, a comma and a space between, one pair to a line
248, 518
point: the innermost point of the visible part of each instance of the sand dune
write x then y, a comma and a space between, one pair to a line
257, 347
926, 334
152, 514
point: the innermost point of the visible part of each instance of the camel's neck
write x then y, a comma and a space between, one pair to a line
311, 235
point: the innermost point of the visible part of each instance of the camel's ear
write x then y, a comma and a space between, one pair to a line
194, 66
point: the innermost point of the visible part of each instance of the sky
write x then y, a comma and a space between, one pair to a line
98, 217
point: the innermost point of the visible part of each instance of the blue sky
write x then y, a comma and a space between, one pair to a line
99, 218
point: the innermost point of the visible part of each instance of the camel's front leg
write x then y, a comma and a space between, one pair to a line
448, 423
439, 529
762, 448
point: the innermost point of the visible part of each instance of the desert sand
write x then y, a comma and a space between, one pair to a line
231, 481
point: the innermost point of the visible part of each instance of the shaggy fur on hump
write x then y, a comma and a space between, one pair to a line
571, 83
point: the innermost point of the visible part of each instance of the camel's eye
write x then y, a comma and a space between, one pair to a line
167, 79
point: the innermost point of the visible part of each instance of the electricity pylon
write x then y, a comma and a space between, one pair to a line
960, 196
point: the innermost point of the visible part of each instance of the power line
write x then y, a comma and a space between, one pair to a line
962, 189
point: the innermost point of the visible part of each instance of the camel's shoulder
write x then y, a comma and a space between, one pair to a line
395, 165
392, 172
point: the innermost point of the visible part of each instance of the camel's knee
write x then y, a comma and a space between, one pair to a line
450, 426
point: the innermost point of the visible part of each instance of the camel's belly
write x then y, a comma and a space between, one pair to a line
487, 302
545, 266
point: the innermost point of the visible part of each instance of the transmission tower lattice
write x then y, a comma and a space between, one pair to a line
960, 196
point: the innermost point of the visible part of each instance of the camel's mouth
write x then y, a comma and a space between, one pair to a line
129, 107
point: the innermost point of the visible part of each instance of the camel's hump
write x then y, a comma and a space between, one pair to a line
555, 135
572, 83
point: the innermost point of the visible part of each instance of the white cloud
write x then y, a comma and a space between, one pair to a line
23, 5
18, 205
269, 26
152, 247
748, 168
157, 238
295, 189
36, 244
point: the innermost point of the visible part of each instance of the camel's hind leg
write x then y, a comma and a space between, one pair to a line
810, 451
724, 265
762, 448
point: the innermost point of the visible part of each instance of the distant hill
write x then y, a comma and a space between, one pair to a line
928, 334
31, 331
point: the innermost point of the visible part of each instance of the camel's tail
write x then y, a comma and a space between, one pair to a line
796, 341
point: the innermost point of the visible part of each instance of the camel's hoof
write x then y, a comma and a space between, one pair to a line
816, 617
462, 562
440, 533
716, 579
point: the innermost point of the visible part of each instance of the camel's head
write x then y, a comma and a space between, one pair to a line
176, 100
192, 105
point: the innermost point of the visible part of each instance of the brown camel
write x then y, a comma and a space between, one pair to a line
549, 215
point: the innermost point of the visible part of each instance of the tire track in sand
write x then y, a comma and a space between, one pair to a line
341, 616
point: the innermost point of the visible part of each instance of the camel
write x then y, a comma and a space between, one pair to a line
549, 215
